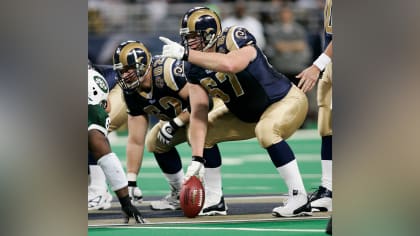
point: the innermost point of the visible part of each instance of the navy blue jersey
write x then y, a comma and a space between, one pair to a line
108, 73
248, 93
163, 100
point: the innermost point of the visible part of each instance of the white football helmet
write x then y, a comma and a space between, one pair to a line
97, 89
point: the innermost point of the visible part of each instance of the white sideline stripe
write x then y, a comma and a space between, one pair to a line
225, 229
304, 134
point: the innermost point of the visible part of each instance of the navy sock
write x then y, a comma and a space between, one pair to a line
91, 160
280, 153
169, 162
326, 148
212, 157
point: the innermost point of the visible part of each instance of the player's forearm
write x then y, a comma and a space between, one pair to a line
329, 50
210, 60
198, 131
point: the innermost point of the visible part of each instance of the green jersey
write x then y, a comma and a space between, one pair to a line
98, 119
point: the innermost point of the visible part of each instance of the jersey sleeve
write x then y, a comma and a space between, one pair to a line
133, 108
233, 38
194, 73
98, 119
174, 75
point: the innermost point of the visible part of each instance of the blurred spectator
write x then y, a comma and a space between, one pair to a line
289, 52
156, 11
252, 24
288, 49
95, 21
307, 4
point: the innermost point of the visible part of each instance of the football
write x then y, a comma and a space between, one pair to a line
192, 197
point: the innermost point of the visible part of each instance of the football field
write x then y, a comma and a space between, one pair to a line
251, 185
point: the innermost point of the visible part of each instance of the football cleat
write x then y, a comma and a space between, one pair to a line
135, 194
296, 205
99, 201
210, 209
169, 202
321, 199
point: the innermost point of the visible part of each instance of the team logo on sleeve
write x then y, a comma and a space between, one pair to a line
240, 33
178, 70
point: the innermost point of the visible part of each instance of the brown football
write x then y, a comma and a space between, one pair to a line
192, 197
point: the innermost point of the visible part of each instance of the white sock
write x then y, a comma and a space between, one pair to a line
326, 166
213, 184
97, 179
113, 170
291, 175
175, 180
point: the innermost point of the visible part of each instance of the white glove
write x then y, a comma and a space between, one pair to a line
173, 49
167, 131
195, 168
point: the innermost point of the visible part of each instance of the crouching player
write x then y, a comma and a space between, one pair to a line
98, 122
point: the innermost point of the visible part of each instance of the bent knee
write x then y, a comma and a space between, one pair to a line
266, 135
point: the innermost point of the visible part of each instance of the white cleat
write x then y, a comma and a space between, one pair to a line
214, 208
169, 202
297, 205
99, 201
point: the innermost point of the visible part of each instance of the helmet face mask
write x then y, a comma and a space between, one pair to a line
132, 61
97, 89
200, 28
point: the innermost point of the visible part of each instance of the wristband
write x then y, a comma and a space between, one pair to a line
322, 61
178, 122
186, 53
199, 159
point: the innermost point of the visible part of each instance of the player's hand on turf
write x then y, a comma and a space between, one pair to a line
308, 78
173, 49
167, 131
195, 168
131, 211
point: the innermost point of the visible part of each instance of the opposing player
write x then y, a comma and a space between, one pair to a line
98, 122
157, 86
321, 199
228, 64
99, 197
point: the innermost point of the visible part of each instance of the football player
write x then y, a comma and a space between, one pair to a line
157, 86
99, 197
98, 144
321, 199
229, 65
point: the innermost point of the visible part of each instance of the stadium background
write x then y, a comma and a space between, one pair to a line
43, 102
247, 170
